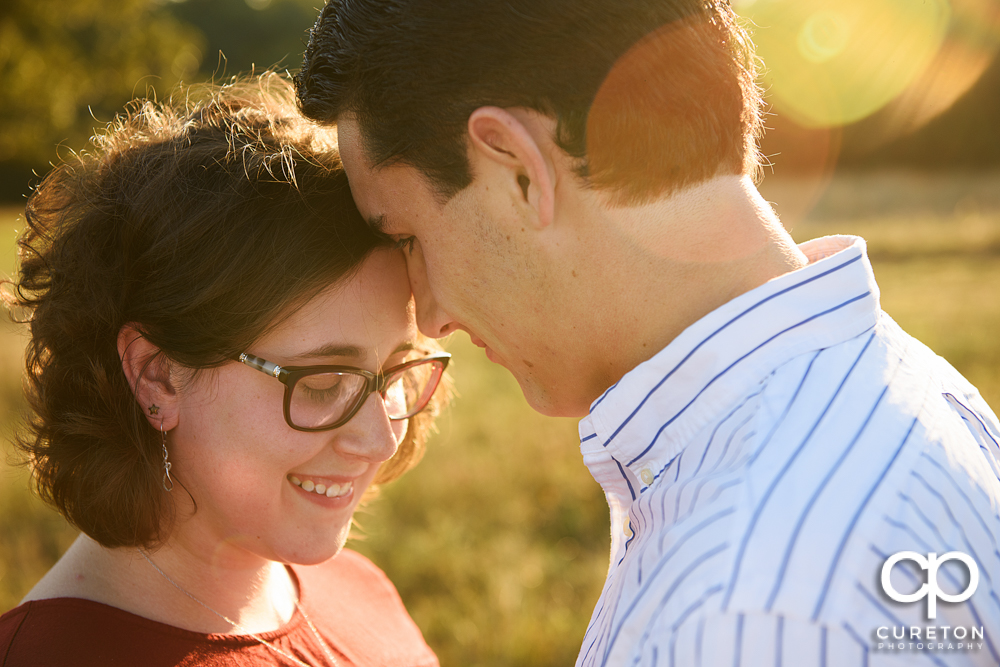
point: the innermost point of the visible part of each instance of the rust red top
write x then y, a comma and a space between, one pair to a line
353, 605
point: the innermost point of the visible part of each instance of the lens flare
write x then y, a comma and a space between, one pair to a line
823, 36
833, 63
970, 45
864, 73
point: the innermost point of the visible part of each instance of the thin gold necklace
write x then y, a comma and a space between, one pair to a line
291, 658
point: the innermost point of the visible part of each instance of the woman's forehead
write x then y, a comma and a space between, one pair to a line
369, 314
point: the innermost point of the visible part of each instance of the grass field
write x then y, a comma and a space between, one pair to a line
498, 540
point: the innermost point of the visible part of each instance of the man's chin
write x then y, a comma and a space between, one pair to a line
551, 402
549, 399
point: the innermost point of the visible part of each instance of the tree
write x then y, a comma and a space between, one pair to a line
66, 67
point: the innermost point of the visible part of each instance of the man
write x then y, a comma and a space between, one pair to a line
572, 182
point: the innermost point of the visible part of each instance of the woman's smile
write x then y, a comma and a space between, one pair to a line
322, 486
223, 379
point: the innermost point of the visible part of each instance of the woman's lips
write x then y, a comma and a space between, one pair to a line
328, 492
322, 486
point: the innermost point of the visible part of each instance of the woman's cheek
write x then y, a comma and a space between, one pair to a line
400, 428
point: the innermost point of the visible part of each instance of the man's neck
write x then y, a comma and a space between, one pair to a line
669, 263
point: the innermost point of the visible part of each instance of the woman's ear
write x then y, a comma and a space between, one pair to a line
519, 142
148, 374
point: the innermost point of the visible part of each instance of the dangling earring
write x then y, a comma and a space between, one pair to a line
168, 484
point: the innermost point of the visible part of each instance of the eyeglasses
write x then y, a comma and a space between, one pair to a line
320, 398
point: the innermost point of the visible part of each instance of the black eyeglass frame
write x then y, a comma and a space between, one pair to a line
374, 382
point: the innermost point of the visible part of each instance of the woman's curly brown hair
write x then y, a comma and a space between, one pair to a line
203, 224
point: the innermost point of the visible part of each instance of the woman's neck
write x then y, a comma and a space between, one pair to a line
177, 586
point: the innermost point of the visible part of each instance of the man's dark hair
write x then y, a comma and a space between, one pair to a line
650, 95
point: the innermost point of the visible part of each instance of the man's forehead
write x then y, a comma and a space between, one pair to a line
359, 173
349, 141
387, 195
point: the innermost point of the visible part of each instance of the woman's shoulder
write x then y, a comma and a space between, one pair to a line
347, 568
10, 624
71, 631
349, 598
85, 633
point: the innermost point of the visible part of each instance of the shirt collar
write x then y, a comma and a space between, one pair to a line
645, 420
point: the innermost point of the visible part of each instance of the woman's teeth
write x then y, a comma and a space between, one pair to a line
331, 491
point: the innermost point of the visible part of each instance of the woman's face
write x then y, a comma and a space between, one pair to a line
236, 455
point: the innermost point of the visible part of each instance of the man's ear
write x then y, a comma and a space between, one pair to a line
148, 374
520, 143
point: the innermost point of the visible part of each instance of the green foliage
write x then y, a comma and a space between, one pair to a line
498, 540
63, 62
250, 34
69, 67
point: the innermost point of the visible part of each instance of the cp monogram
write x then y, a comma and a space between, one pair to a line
930, 590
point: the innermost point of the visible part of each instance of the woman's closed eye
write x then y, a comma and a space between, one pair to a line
323, 387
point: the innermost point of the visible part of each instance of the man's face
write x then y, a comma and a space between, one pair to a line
472, 267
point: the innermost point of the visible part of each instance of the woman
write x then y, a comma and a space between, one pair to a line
223, 358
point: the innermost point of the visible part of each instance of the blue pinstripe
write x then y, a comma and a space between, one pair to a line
812, 501
693, 607
716, 332
788, 464
659, 566
951, 578
968, 501
739, 641
854, 521
892, 617
856, 637
730, 367
749, 518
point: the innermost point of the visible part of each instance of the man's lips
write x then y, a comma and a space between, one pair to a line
490, 354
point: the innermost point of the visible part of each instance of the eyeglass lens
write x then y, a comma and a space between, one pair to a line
321, 399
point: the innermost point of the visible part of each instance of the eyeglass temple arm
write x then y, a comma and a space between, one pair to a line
262, 365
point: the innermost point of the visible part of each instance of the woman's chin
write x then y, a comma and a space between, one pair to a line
313, 553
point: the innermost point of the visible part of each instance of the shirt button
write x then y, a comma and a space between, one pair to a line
647, 476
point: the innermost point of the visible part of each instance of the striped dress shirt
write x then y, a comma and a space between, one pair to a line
763, 466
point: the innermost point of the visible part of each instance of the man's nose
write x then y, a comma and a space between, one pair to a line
369, 435
432, 320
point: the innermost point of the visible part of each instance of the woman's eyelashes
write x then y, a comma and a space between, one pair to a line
405, 243
324, 387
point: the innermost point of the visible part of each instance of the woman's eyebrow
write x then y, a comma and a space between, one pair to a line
349, 351
405, 346
377, 223
334, 350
